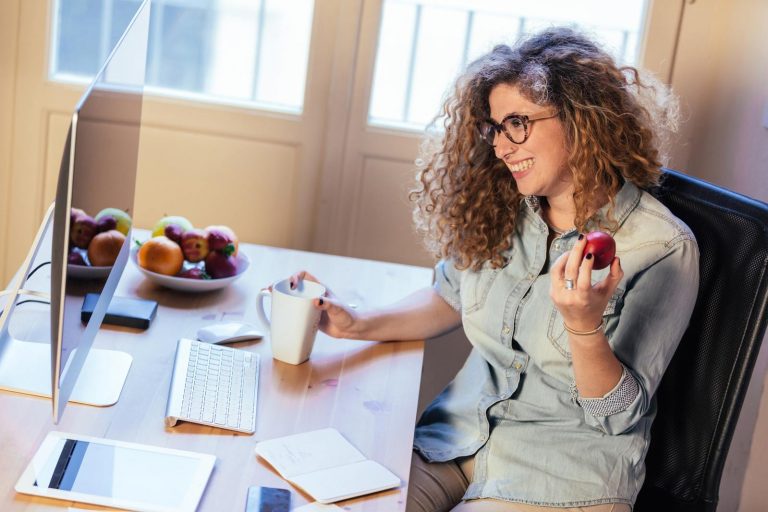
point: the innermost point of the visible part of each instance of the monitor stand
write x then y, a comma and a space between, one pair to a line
23, 369
25, 366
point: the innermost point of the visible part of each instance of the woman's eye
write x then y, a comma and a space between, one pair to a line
515, 122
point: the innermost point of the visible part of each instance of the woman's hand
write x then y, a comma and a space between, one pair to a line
582, 307
337, 320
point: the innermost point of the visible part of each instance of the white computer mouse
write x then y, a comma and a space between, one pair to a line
228, 333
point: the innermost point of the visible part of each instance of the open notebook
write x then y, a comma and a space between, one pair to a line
325, 465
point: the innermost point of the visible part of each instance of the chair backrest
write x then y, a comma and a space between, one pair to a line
701, 394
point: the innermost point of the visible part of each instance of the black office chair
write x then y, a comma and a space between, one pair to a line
701, 394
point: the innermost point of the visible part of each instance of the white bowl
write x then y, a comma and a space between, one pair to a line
87, 271
193, 285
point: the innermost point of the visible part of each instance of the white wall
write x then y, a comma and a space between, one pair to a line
720, 73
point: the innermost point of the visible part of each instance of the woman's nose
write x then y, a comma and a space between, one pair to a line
503, 145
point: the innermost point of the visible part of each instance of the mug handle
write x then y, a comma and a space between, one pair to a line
260, 307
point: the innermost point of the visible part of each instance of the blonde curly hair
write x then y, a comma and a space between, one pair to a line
615, 123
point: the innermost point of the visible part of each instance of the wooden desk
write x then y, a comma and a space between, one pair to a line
368, 391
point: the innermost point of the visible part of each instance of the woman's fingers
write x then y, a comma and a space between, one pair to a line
298, 277
584, 280
336, 319
558, 268
326, 303
572, 265
612, 280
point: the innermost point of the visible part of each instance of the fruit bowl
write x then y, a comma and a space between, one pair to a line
87, 271
193, 285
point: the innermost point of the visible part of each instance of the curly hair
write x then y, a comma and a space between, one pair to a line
466, 202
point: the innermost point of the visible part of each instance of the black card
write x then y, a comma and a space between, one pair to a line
268, 499
123, 311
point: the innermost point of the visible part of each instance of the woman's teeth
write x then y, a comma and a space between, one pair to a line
521, 166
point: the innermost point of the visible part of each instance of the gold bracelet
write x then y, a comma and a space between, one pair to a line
586, 333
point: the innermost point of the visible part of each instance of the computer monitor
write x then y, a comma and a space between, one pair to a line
98, 171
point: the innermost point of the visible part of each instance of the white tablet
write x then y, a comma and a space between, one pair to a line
116, 474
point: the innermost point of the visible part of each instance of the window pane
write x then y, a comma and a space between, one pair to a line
178, 49
251, 52
424, 44
388, 97
283, 69
438, 58
79, 36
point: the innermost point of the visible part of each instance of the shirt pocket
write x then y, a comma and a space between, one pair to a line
475, 287
557, 334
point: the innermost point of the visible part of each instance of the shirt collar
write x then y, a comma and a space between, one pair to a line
625, 201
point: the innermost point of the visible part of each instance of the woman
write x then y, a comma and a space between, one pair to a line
543, 143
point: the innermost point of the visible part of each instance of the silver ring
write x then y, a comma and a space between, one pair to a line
569, 284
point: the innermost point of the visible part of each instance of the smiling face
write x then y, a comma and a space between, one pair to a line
539, 165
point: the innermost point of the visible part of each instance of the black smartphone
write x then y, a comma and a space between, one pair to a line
267, 499
123, 311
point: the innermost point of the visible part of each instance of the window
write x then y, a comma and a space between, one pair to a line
424, 44
251, 52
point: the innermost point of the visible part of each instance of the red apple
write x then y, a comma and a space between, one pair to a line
82, 231
194, 273
106, 224
174, 232
218, 238
194, 243
74, 213
76, 258
219, 265
603, 248
222, 238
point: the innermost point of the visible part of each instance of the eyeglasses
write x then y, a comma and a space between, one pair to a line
514, 126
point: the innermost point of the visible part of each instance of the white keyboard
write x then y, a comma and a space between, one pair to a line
213, 385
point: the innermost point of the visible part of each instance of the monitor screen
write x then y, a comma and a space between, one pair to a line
96, 180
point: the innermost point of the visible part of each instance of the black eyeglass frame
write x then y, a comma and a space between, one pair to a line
524, 119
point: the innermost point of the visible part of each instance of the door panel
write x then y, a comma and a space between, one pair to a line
381, 222
215, 179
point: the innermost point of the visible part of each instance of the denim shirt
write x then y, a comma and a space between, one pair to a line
513, 405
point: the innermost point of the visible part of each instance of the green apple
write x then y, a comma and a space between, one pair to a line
182, 222
122, 219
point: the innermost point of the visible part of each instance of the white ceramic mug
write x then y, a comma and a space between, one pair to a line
294, 319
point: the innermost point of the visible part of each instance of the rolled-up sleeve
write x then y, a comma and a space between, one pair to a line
657, 308
448, 283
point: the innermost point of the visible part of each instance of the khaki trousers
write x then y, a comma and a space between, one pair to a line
438, 487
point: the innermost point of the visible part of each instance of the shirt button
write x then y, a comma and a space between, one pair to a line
506, 329
517, 365
557, 245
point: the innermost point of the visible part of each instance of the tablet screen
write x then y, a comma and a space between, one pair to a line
111, 472
118, 472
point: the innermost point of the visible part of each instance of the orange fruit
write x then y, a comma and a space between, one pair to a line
161, 255
104, 248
